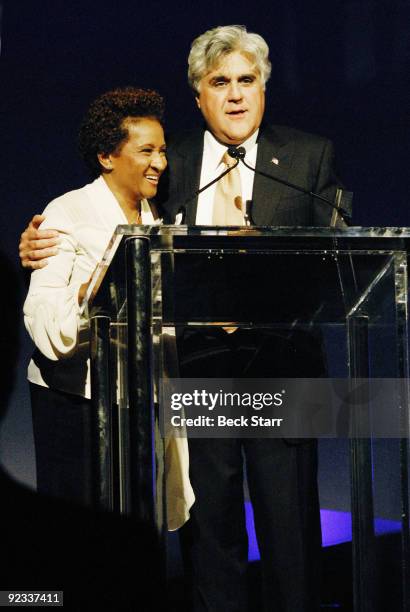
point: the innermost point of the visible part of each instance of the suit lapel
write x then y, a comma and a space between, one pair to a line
272, 147
190, 153
266, 196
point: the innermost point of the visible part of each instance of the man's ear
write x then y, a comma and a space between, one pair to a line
105, 160
198, 103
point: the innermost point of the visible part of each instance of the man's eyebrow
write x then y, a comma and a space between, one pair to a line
223, 77
219, 77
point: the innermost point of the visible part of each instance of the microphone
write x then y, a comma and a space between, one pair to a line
248, 213
239, 153
215, 180
180, 217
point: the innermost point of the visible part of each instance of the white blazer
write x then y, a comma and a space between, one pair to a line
86, 219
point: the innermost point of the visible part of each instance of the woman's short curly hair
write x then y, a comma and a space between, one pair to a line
103, 130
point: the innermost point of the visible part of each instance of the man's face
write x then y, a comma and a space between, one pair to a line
232, 100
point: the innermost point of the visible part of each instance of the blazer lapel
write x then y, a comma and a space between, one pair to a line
272, 145
275, 156
190, 152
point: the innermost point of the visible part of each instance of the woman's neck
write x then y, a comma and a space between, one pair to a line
130, 206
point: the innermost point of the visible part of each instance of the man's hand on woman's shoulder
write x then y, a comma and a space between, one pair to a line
37, 245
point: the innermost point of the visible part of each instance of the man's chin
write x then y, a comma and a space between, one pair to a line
237, 137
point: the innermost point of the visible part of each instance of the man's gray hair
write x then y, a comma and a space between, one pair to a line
210, 48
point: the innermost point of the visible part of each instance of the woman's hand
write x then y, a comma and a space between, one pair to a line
37, 245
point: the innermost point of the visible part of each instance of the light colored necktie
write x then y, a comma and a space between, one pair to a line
228, 197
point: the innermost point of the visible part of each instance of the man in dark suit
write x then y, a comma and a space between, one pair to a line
282, 152
228, 70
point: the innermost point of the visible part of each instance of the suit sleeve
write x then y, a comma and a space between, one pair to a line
51, 310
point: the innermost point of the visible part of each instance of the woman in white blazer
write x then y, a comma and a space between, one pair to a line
122, 142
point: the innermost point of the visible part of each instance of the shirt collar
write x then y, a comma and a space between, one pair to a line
215, 149
107, 196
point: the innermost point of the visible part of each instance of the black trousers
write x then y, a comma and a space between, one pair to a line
282, 478
62, 439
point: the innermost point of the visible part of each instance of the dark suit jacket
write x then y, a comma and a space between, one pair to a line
304, 159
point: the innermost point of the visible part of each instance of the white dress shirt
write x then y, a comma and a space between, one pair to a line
212, 166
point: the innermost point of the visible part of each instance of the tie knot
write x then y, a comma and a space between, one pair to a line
227, 159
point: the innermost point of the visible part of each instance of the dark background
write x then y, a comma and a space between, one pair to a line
340, 69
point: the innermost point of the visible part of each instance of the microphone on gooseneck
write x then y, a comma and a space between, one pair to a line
342, 197
215, 180
180, 216
237, 153
182, 211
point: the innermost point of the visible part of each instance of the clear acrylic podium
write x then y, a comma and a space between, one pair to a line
350, 284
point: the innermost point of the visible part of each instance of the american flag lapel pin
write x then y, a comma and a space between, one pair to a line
275, 161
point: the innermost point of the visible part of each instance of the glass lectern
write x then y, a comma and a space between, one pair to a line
349, 285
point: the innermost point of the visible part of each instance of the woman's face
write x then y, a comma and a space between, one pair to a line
138, 164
